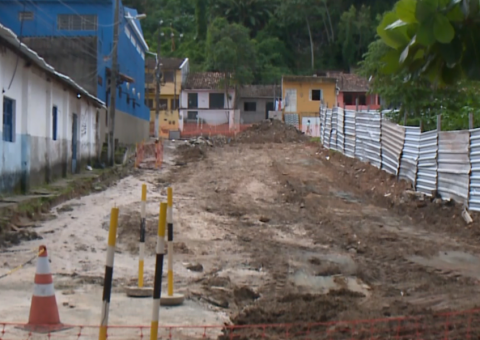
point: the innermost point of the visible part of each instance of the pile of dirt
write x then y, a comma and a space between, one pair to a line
195, 148
271, 131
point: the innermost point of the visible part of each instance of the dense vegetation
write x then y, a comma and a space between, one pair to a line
427, 60
420, 55
280, 36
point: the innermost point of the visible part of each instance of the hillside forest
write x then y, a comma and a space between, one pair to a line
258, 41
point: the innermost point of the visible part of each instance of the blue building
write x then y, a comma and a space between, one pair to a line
76, 37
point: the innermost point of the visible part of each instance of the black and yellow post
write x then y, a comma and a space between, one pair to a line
141, 246
171, 299
157, 285
140, 290
107, 285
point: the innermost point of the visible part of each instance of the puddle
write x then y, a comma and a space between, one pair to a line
325, 284
452, 261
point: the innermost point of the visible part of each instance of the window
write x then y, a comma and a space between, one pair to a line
174, 104
316, 95
193, 100
163, 104
168, 76
362, 100
25, 16
8, 120
149, 103
250, 106
217, 100
76, 22
348, 99
192, 115
55, 122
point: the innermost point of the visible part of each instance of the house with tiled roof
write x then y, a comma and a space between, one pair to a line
204, 103
352, 87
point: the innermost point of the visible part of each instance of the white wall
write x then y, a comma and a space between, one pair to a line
203, 98
35, 93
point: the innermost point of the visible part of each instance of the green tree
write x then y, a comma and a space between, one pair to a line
230, 51
419, 101
201, 18
437, 39
253, 14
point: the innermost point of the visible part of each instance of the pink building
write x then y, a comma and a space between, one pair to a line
352, 87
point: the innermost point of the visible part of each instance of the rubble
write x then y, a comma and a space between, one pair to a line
271, 131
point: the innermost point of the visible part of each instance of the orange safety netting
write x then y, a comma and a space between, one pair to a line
150, 153
447, 326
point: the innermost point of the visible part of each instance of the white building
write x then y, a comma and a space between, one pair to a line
50, 126
203, 102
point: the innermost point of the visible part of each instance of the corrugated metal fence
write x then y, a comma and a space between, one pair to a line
447, 163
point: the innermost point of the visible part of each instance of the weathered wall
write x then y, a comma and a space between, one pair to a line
72, 56
34, 157
250, 117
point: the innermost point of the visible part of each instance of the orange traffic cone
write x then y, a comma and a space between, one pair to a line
44, 317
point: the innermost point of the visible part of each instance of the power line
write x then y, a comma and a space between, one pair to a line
78, 14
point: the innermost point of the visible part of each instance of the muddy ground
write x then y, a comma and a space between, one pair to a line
283, 232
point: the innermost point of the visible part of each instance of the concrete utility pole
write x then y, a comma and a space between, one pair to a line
158, 75
113, 86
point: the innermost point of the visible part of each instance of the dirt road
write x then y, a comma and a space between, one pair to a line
264, 233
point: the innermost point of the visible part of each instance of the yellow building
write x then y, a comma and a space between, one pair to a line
174, 74
303, 94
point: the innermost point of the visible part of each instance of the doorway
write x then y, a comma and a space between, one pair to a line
74, 142
269, 107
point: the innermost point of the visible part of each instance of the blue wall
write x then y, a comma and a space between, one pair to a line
45, 24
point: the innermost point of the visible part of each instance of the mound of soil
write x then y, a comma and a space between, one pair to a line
271, 131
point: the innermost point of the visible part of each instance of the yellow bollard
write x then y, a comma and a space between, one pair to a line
171, 299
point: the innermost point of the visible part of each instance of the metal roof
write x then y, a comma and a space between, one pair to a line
31, 55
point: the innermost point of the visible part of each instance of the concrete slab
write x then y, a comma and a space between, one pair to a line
138, 292
175, 300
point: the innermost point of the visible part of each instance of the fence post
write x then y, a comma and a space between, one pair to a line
439, 129
381, 144
344, 129
470, 121
355, 120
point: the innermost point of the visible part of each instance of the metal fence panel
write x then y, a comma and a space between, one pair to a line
322, 125
410, 153
427, 163
350, 133
328, 128
454, 165
474, 200
340, 130
368, 137
393, 137
333, 134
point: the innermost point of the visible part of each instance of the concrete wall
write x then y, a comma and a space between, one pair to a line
34, 157
74, 57
250, 117
131, 58
203, 99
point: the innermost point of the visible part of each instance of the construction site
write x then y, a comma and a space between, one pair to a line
274, 237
